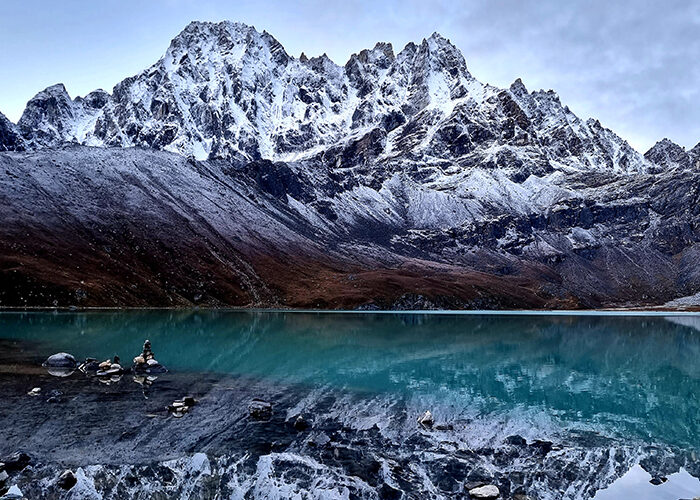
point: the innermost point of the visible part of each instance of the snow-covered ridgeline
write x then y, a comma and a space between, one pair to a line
225, 90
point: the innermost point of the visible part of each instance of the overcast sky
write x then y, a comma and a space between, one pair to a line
635, 65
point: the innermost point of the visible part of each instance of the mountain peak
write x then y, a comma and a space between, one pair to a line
667, 154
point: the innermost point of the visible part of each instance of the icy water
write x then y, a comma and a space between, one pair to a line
543, 406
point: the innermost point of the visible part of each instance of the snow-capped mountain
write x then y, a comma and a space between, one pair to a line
397, 180
227, 91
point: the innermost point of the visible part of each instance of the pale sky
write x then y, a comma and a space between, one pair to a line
632, 64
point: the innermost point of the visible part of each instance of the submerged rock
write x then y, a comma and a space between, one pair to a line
66, 480
487, 491
260, 410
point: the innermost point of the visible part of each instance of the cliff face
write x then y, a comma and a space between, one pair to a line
231, 173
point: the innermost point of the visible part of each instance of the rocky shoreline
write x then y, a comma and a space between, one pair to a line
248, 437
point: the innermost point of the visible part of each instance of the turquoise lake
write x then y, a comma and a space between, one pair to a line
632, 380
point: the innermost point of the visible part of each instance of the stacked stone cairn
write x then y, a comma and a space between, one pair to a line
146, 361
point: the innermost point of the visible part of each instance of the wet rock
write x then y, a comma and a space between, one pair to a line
260, 410
110, 368
300, 423
89, 366
657, 480
67, 480
60, 364
487, 491
426, 420
16, 462
34, 392
60, 360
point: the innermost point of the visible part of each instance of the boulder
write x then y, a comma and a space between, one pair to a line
90, 365
260, 410
426, 420
66, 480
61, 360
487, 491
16, 462
300, 423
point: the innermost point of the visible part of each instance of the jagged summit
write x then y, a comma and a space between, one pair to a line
669, 155
225, 90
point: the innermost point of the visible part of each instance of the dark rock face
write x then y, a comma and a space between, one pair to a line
10, 138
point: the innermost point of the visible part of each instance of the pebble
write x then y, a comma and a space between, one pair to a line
486, 492
34, 392
3, 477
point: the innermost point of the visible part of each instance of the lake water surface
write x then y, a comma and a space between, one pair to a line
548, 406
